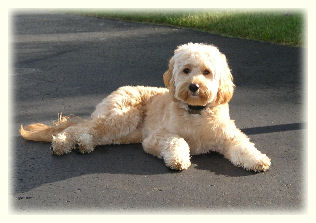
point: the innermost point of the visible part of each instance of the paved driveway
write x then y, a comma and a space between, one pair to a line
69, 63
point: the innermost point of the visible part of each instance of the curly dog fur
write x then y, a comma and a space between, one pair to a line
190, 116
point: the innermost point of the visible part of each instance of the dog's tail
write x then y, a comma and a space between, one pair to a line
44, 133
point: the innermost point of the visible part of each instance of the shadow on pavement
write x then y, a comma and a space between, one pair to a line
273, 128
216, 163
35, 165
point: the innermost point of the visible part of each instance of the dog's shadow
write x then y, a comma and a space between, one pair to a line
34, 165
217, 164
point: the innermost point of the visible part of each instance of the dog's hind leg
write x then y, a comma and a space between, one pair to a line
116, 120
79, 136
116, 128
90, 133
119, 117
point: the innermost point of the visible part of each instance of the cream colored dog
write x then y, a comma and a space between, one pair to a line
190, 116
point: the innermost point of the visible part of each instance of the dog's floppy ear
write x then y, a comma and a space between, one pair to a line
167, 76
226, 85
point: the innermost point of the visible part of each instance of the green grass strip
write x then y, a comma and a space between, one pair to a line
282, 27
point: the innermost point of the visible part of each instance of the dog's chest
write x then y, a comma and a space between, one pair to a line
197, 131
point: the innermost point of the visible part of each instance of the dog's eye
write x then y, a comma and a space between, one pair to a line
206, 72
186, 70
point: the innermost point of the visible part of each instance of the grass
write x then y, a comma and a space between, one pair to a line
282, 27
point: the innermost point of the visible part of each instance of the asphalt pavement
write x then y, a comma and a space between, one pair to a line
69, 63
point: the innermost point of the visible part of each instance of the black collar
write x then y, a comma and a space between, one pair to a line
192, 109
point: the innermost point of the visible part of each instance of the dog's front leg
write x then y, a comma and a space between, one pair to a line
241, 152
174, 150
247, 156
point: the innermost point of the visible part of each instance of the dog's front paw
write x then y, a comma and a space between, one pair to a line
258, 163
176, 154
248, 157
182, 165
263, 164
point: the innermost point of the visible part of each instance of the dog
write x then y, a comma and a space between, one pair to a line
188, 117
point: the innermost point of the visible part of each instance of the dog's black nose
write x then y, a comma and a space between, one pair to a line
194, 87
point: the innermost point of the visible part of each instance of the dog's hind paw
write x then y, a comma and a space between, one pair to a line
85, 143
52, 151
61, 144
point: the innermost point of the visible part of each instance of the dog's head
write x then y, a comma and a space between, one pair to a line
198, 75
